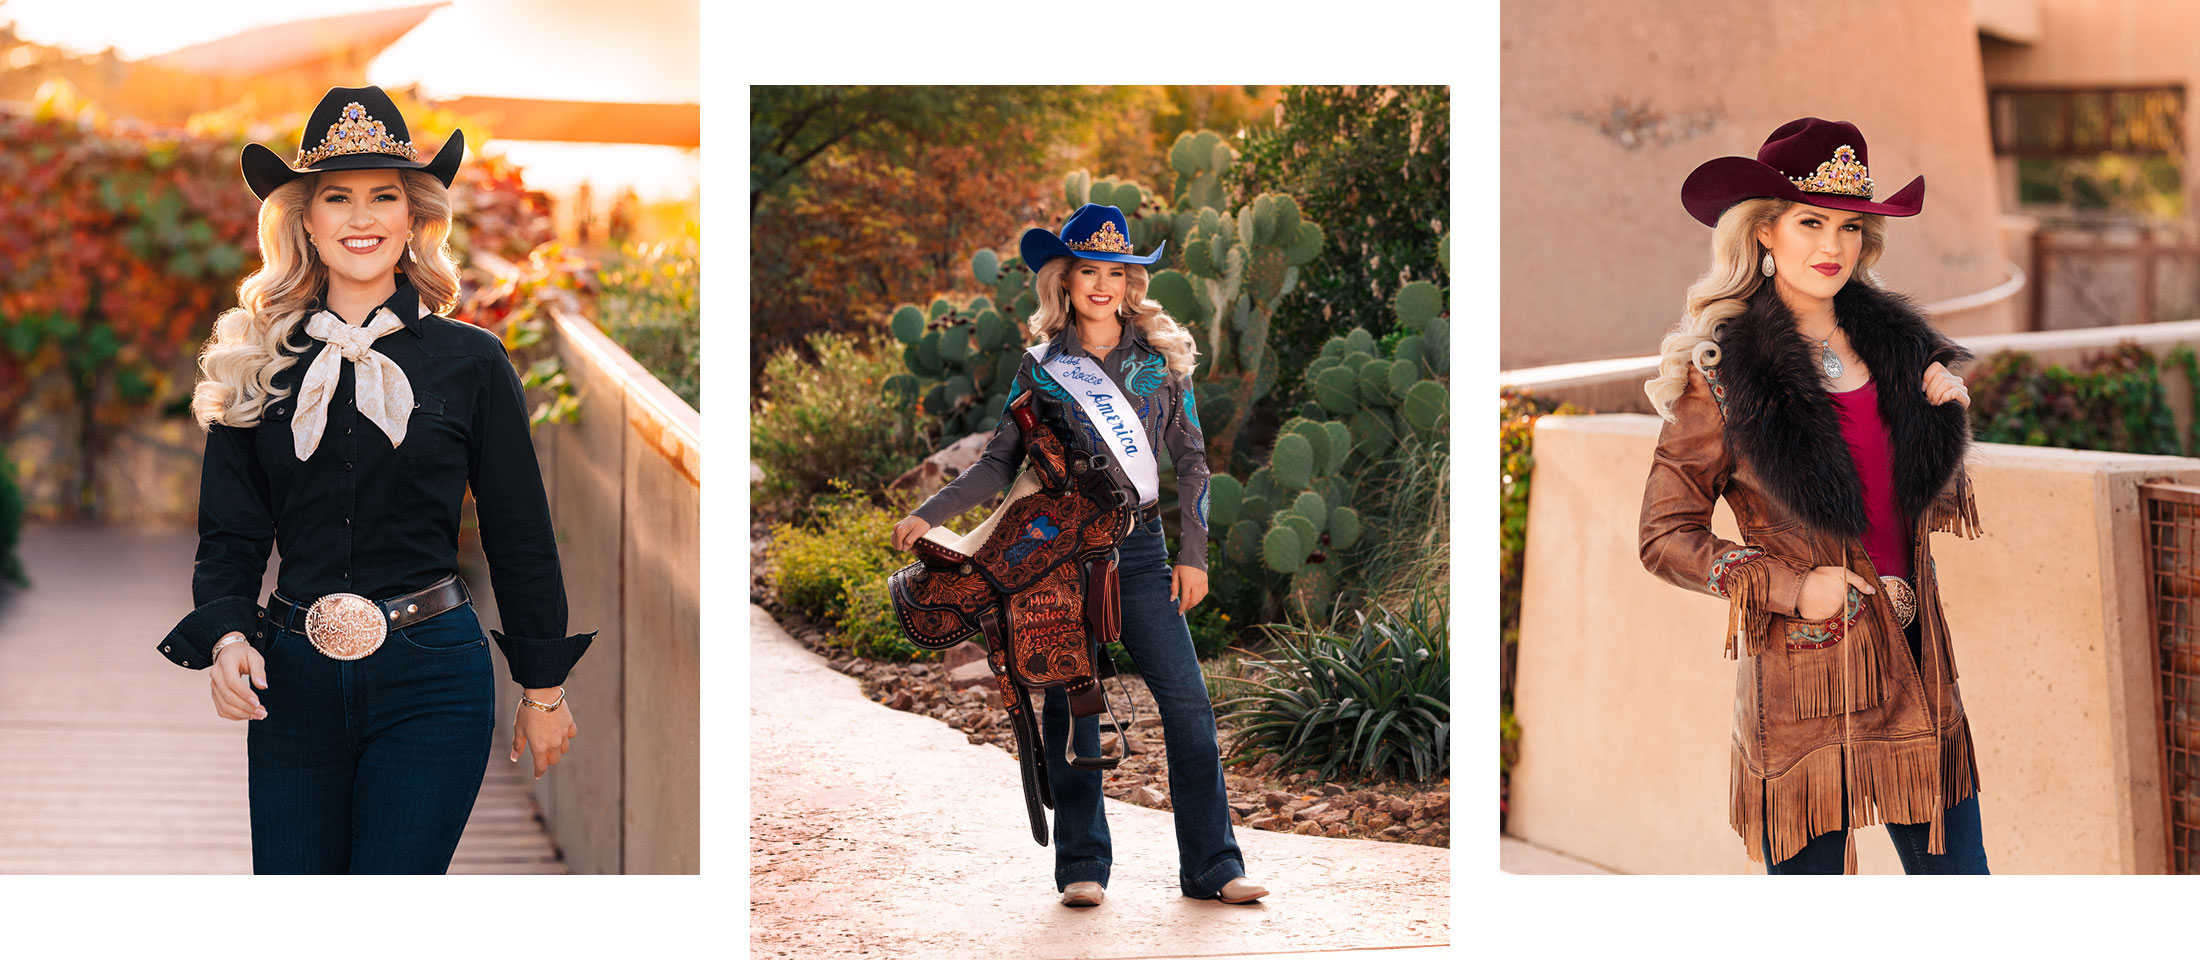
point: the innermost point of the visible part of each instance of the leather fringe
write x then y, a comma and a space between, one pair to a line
1963, 521
1748, 625
1818, 683
1888, 782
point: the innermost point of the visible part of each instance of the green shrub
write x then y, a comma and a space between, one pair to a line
868, 628
2113, 401
825, 419
833, 567
650, 302
1377, 702
11, 525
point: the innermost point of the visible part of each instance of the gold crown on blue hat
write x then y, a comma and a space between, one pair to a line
1107, 239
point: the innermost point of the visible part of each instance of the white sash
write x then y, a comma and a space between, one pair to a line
1110, 412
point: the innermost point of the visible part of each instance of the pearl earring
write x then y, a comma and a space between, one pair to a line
1766, 266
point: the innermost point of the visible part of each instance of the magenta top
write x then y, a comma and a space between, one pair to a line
1887, 535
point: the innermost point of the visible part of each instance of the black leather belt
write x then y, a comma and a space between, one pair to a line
442, 597
1148, 512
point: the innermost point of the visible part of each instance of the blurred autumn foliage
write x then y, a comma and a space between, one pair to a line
865, 196
859, 233
122, 245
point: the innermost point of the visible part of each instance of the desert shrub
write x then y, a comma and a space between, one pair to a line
1375, 702
824, 418
833, 566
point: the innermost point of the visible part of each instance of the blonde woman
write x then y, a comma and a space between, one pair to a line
1822, 408
346, 419
1093, 309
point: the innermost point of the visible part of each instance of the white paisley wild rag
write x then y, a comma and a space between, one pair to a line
380, 389
1110, 413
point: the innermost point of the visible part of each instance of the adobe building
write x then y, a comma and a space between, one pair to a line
1606, 107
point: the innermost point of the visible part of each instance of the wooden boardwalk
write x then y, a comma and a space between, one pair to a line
111, 758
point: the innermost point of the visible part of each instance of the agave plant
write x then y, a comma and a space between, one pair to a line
1377, 701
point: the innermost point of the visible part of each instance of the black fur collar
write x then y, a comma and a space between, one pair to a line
1780, 421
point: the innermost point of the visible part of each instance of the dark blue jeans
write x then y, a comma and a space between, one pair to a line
1157, 638
1966, 850
371, 765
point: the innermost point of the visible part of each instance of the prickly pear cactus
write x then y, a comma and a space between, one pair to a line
1298, 513
1235, 267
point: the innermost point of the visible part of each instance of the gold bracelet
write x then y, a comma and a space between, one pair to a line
526, 700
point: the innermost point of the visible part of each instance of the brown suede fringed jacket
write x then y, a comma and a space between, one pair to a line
1823, 709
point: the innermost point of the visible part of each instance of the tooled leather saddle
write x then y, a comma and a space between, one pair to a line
1038, 579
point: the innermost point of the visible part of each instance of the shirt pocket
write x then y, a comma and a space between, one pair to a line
273, 436
432, 432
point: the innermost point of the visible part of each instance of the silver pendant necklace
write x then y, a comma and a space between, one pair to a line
1828, 361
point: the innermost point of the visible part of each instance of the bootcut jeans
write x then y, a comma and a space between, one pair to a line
1159, 641
371, 765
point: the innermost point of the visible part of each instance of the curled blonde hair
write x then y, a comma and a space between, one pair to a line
248, 348
1724, 290
1166, 336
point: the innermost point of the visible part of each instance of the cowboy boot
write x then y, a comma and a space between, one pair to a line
1083, 893
1241, 890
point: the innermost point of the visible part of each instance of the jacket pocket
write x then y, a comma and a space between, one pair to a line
1830, 666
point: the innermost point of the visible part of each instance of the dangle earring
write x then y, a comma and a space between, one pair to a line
1766, 265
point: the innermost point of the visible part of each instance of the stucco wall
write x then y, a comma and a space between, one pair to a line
1625, 700
1605, 108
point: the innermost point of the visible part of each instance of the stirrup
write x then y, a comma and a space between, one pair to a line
1109, 725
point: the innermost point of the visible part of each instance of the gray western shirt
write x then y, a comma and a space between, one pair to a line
1166, 408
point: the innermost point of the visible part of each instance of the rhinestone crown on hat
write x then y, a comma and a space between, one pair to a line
1107, 239
356, 132
1842, 175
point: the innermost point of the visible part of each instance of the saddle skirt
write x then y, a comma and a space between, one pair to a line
1028, 560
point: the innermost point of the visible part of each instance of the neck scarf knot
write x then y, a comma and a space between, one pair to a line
380, 389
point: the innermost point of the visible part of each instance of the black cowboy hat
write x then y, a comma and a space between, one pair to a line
353, 128
1819, 162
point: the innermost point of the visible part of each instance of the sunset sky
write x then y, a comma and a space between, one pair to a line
632, 50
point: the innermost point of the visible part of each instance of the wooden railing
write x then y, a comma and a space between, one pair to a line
625, 483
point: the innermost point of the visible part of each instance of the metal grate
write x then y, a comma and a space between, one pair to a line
2173, 591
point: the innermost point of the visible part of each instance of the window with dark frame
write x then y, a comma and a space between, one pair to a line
2078, 122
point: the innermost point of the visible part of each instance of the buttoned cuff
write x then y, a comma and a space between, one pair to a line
542, 663
191, 643
1192, 552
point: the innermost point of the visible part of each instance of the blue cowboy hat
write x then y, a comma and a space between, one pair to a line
1094, 232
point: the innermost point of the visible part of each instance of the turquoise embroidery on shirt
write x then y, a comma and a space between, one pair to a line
1145, 376
1191, 407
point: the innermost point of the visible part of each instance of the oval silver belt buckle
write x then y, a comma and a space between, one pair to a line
345, 626
1903, 596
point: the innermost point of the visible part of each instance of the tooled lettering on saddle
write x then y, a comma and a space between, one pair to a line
1050, 629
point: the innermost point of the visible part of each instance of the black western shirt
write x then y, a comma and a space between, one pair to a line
1164, 405
364, 517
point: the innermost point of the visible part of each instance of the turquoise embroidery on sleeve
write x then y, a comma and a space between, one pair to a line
1191, 406
1203, 485
1046, 383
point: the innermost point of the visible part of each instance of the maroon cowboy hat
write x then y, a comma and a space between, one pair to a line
1819, 162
